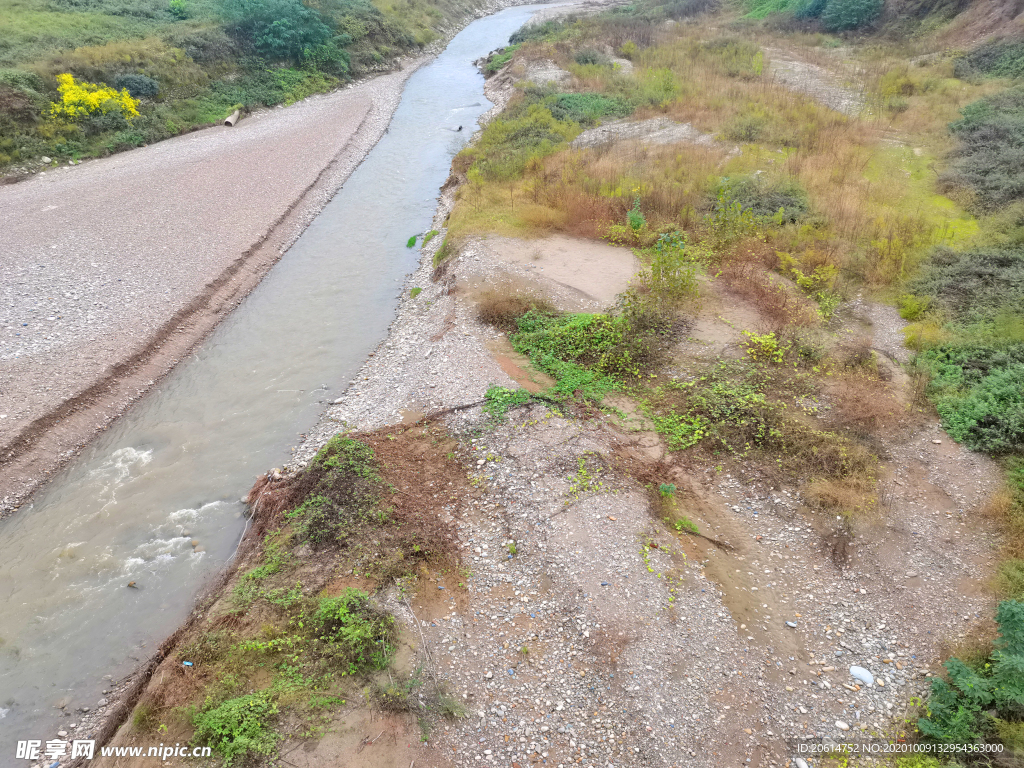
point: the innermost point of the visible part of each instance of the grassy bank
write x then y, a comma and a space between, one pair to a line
145, 71
300, 637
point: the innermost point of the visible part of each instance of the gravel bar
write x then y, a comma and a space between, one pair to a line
112, 270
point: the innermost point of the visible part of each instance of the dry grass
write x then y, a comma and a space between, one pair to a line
502, 307
581, 192
777, 300
848, 496
875, 212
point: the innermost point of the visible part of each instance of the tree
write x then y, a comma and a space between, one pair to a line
849, 14
277, 29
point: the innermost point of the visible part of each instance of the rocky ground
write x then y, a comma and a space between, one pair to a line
590, 634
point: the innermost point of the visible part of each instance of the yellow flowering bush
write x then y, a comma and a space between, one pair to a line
79, 100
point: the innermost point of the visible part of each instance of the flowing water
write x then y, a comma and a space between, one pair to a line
171, 471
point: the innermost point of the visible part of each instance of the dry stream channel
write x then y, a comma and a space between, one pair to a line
155, 500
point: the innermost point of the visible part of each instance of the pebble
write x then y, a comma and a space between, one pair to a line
863, 675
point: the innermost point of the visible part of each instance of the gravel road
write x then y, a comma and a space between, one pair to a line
114, 269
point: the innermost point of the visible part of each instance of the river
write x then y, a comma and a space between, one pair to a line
171, 471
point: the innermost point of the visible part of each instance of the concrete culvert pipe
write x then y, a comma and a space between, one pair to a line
232, 118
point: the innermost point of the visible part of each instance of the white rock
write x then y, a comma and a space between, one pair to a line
863, 675
842, 726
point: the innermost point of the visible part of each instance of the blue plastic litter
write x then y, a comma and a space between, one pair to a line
187, 663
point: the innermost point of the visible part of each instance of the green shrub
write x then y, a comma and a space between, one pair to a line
912, 307
208, 45
988, 158
979, 393
510, 141
589, 56
674, 267
586, 108
144, 718
810, 9
179, 9
1010, 579
340, 489
138, 86
761, 9
954, 711
500, 399
238, 728
330, 57
500, 59
351, 630
608, 345
996, 58
764, 196
973, 285
277, 29
839, 15
548, 30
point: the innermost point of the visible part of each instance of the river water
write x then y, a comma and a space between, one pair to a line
170, 472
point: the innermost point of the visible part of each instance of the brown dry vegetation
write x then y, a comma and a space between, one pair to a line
503, 307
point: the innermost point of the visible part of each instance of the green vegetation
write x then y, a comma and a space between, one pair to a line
294, 645
500, 59
685, 525
320, 642
510, 142
988, 160
501, 399
238, 727
995, 58
764, 196
976, 359
835, 15
189, 63
983, 698
979, 392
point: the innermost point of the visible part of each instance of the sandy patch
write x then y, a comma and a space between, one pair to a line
597, 270
657, 130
